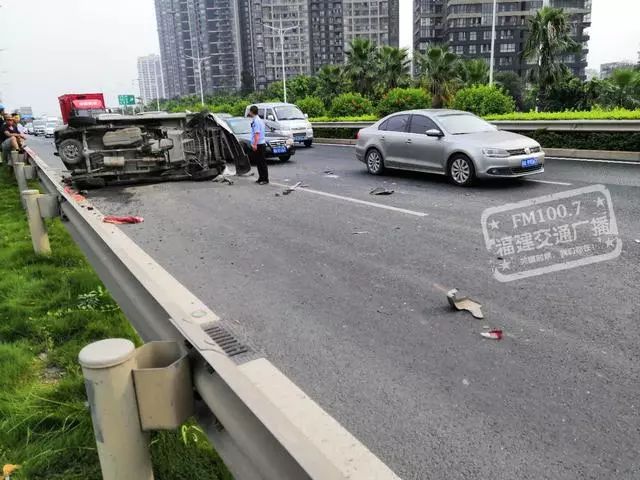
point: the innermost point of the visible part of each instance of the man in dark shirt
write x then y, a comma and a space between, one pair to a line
12, 139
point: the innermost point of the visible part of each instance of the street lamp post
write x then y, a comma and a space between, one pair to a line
133, 85
493, 43
284, 75
200, 61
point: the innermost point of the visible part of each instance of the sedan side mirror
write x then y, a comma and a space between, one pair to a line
434, 132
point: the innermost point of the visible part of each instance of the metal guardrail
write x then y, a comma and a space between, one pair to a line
262, 425
530, 125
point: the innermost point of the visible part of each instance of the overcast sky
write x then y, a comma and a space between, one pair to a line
64, 46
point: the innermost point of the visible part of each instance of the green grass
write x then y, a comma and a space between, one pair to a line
50, 307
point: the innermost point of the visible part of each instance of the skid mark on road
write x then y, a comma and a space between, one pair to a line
355, 200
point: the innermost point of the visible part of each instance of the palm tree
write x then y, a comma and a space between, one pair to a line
474, 72
393, 67
549, 38
438, 69
624, 88
360, 68
331, 82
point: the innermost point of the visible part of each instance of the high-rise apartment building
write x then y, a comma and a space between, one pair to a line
243, 43
606, 69
199, 42
465, 26
151, 78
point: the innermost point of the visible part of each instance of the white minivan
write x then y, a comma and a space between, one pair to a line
286, 119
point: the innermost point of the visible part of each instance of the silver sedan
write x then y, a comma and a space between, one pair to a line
449, 142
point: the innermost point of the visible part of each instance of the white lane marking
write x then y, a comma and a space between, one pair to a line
354, 200
547, 181
593, 160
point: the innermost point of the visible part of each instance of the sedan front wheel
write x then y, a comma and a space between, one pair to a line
375, 164
461, 171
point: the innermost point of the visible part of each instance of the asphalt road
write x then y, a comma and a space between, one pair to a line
360, 321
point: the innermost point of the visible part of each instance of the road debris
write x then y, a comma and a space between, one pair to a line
223, 179
277, 194
637, 240
293, 188
75, 194
122, 220
360, 232
381, 191
331, 175
464, 303
494, 334
465, 382
329, 172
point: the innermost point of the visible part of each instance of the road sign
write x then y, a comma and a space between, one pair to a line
125, 100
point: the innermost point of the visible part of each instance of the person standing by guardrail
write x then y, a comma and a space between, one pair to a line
258, 145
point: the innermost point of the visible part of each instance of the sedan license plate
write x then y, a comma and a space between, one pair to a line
279, 149
529, 162
298, 138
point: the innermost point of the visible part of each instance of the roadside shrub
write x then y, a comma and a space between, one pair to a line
219, 108
399, 99
483, 100
351, 104
616, 141
595, 114
312, 106
359, 118
237, 109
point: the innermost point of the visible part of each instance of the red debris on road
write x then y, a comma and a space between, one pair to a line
116, 220
494, 334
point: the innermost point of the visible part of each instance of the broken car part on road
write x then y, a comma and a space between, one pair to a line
464, 303
381, 191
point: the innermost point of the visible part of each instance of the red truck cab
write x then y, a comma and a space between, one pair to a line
81, 109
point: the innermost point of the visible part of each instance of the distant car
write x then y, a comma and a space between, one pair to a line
50, 128
449, 142
286, 119
38, 127
278, 146
30, 129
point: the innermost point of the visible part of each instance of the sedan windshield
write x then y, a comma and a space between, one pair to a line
239, 126
460, 124
289, 113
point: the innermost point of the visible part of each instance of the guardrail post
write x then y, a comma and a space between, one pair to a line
123, 448
18, 170
13, 157
37, 227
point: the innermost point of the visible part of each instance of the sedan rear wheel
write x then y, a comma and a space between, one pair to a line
461, 171
375, 164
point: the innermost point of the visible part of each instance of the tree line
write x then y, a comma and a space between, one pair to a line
376, 80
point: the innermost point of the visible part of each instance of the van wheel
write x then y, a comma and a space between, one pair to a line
308, 143
461, 171
70, 151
